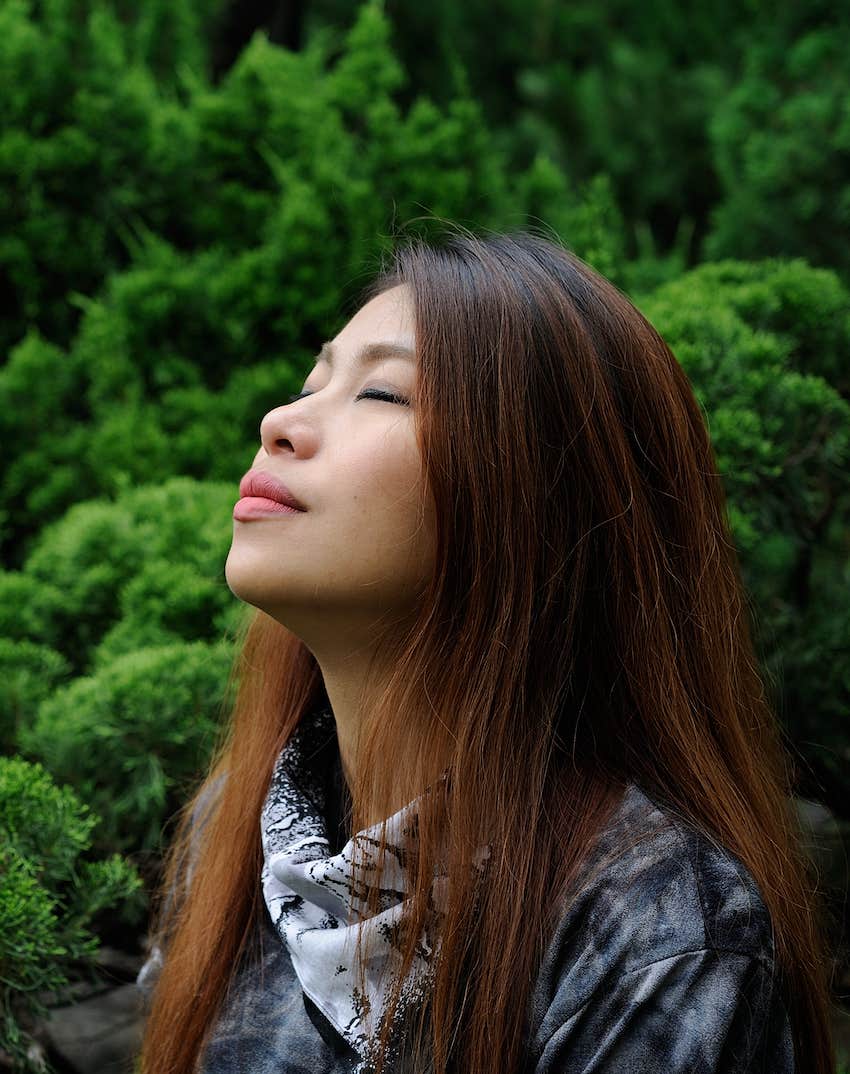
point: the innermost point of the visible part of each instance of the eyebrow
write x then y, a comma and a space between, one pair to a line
370, 352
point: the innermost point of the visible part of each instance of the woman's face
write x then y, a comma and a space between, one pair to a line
364, 545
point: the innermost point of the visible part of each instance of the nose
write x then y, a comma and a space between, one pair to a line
272, 434
283, 431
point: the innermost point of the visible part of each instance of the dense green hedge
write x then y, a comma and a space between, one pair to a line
133, 736
51, 893
781, 143
764, 345
721, 128
140, 612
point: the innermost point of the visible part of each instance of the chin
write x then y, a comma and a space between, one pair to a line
245, 581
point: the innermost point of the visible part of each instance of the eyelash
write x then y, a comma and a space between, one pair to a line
390, 397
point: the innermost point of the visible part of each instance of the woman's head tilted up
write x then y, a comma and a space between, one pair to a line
353, 564
346, 448
513, 569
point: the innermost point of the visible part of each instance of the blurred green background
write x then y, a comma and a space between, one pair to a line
190, 193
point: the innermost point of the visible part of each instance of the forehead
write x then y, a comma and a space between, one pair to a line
387, 318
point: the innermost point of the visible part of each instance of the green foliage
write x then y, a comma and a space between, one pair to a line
807, 307
621, 89
97, 548
629, 110
50, 895
39, 392
133, 736
591, 225
36, 383
368, 68
208, 431
781, 140
726, 121
87, 141
28, 674
32, 965
27, 607
126, 591
763, 345
169, 38
167, 602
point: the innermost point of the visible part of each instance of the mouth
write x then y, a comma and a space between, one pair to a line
260, 485
249, 507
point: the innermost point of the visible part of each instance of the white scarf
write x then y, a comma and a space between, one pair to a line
315, 910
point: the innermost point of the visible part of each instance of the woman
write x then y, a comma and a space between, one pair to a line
498, 719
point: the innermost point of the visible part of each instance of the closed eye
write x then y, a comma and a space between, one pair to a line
367, 393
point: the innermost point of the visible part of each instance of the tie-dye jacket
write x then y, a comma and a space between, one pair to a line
664, 965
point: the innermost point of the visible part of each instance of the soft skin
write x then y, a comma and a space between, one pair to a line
359, 557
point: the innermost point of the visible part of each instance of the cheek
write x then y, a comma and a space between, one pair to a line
383, 488
384, 472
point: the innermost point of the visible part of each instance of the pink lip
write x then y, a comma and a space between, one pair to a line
257, 484
259, 507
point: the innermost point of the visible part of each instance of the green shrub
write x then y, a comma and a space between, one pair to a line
592, 225
50, 896
97, 549
806, 307
762, 369
28, 607
134, 736
211, 434
780, 141
88, 140
764, 346
167, 602
619, 88
28, 674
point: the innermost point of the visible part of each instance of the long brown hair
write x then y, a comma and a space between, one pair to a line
585, 626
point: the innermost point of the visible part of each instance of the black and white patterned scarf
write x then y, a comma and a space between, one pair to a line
314, 907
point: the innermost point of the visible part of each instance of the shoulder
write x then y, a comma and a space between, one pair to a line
655, 887
666, 926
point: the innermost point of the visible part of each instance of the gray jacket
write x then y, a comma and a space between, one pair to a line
664, 965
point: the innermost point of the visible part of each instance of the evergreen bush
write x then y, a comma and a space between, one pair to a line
29, 673
780, 142
764, 346
97, 548
134, 736
51, 894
